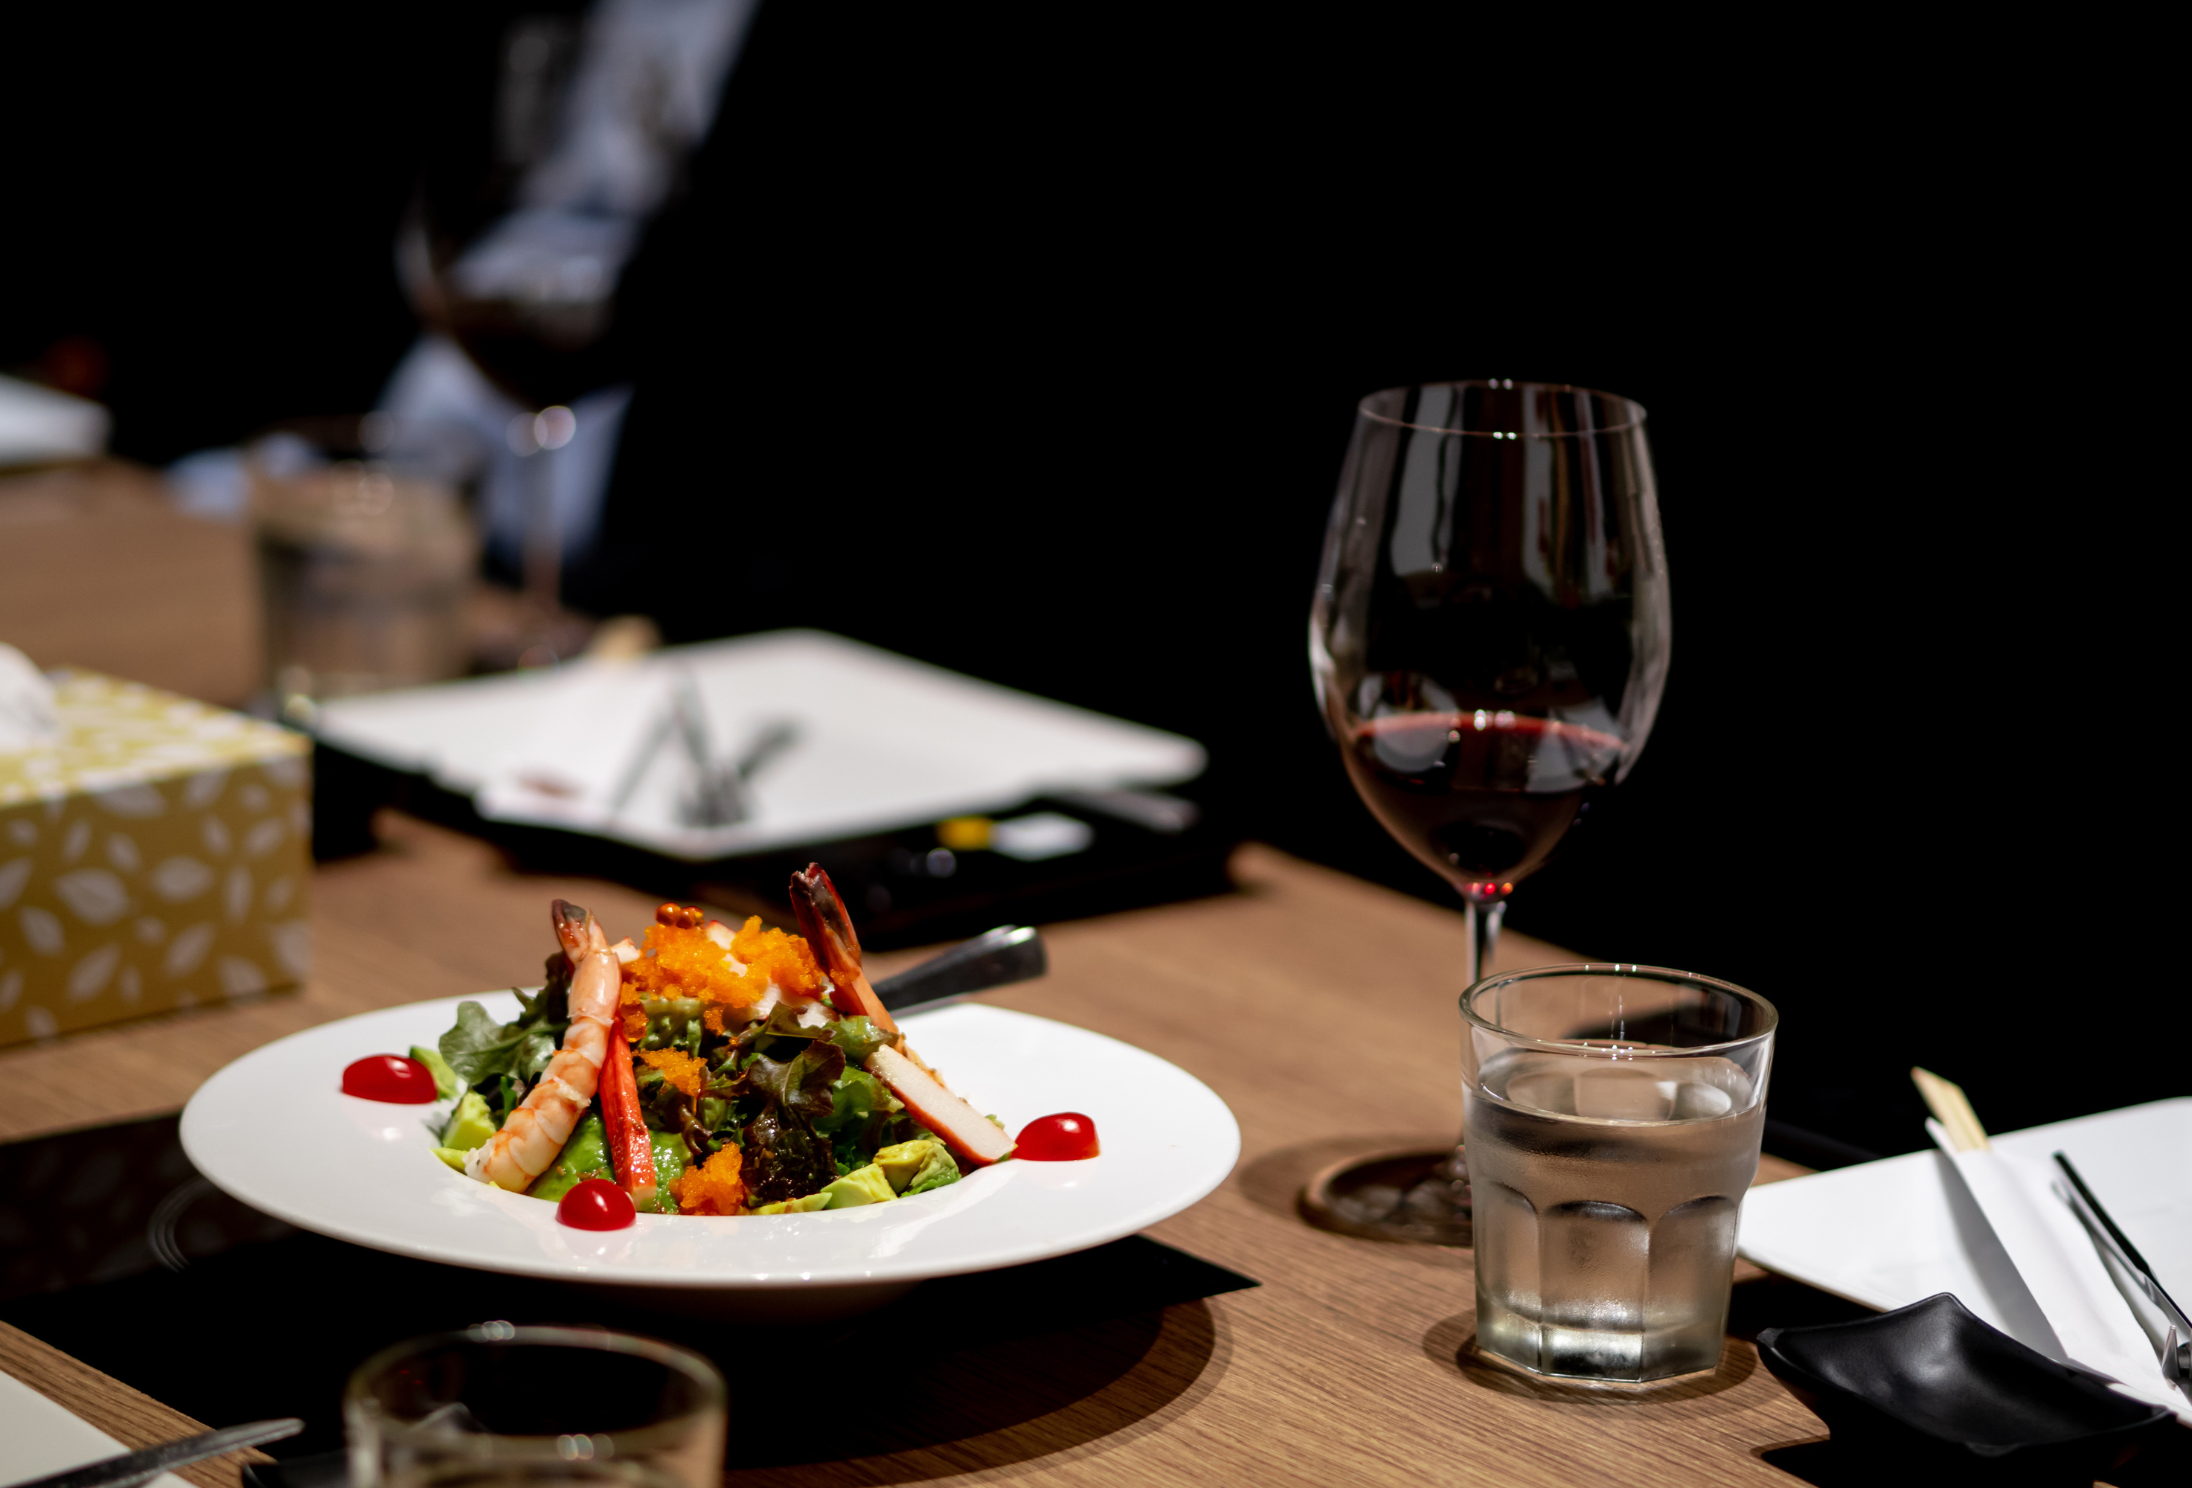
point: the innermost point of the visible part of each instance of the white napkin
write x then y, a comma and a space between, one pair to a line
2095, 1324
38, 1437
27, 716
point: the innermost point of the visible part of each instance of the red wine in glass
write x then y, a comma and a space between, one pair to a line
1482, 798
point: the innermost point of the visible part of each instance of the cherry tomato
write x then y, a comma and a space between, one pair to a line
392, 1078
1066, 1137
595, 1204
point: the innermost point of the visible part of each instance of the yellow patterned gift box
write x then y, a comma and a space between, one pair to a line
156, 856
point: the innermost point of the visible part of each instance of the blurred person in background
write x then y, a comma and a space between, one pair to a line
516, 249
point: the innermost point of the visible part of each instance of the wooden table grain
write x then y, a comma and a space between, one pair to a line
1350, 1362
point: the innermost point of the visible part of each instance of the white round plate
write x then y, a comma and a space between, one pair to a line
275, 1130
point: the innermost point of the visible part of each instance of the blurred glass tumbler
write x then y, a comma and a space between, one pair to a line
1612, 1117
365, 572
499, 1405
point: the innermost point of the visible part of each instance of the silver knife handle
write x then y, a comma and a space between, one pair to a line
1008, 954
141, 1467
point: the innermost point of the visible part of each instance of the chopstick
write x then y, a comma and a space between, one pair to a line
2177, 1350
1952, 1108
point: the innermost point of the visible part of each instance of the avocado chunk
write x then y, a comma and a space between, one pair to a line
861, 1186
917, 1166
446, 1083
451, 1156
469, 1125
902, 1160
585, 1155
805, 1205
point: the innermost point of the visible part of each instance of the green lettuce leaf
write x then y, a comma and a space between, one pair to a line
481, 1051
479, 1048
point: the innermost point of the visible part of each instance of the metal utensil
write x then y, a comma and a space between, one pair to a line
716, 794
2177, 1349
141, 1467
996, 958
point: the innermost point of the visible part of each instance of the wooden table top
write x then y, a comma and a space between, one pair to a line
1349, 1362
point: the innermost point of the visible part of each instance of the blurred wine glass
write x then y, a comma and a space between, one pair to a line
1489, 637
531, 302
525, 223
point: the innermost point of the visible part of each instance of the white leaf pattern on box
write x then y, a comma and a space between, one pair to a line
186, 950
93, 895
238, 894
263, 837
42, 930
122, 853
241, 978
178, 879
292, 941
92, 974
13, 876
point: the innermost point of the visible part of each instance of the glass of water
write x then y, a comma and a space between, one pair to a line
498, 1406
1611, 1115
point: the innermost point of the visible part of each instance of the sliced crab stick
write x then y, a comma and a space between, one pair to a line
631, 1151
972, 1137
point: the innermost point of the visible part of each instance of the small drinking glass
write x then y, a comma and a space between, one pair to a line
1612, 1116
498, 1405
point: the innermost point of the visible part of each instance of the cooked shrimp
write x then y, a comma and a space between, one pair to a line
536, 1131
828, 929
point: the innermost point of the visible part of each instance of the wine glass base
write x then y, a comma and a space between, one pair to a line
1411, 1198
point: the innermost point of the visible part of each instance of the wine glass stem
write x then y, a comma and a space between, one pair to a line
1484, 922
543, 551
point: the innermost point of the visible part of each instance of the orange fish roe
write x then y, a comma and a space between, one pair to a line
678, 1068
773, 956
714, 1187
680, 961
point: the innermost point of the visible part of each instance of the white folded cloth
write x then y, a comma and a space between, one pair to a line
27, 716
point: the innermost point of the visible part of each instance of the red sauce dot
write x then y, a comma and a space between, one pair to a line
392, 1078
1066, 1137
595, 1204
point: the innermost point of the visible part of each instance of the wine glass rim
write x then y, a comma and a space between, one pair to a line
1617, 968
1634, 420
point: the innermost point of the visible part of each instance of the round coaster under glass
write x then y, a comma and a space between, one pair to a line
1418, 1197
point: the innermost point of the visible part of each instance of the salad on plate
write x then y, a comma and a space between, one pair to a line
705, 1071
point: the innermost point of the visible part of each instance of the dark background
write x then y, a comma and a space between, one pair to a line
1031, 348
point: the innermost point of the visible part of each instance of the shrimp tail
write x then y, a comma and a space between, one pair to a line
828, 929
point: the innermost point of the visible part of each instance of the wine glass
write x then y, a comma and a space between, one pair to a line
1489, 644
